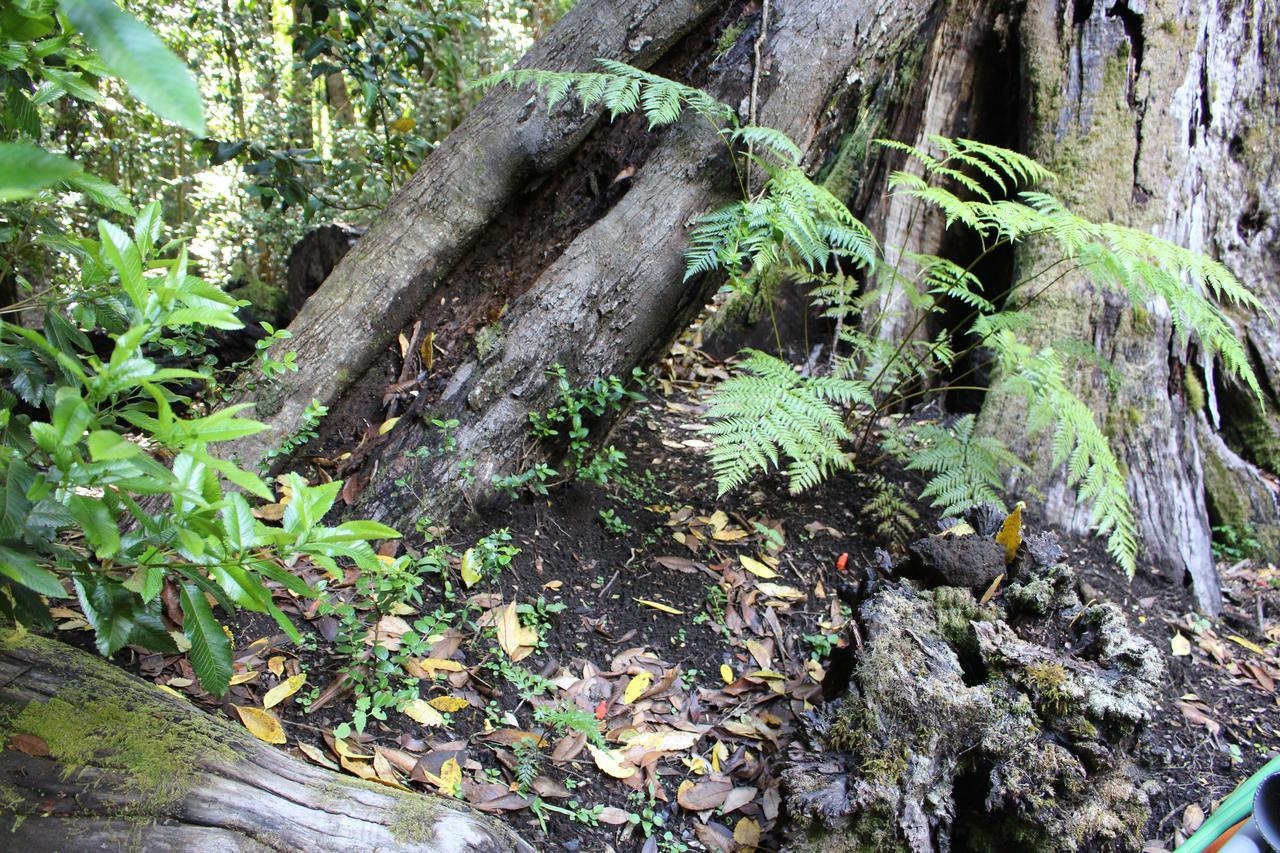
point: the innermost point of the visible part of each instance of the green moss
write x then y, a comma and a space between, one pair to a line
730, 36
1048, 683
106, 721
957, 609
413, 820
1195, 390
487, 340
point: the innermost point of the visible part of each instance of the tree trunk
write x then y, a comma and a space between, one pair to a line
98, 759
1144, 111
509, 261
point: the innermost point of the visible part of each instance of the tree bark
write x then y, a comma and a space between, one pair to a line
506, 142
130, 766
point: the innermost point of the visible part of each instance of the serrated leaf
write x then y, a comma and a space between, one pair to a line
263, 725
210, 648
284, 690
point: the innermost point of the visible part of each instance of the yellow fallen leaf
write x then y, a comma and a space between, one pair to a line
1180, 645
760, 652
244, 677
432, 664
1251, 646
450, 777
726, 673
991, 590
668, 741
766, 674
610, 762
421, 712
470, 574
756, 567
276, 665
747, 834
657, 605
553, 585
637, 685
344, 750
387, 425
729, 534
1010, 535
449, 704
718, 520
963, 528
777, 590
515, 639
261, 724
284, 690
359, 768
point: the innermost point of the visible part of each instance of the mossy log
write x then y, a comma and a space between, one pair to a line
1008, 725
96, 759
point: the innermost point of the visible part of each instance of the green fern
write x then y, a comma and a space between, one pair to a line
568, 717
968, 469
767, 412
894, 516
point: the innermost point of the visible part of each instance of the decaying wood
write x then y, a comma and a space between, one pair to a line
208, 786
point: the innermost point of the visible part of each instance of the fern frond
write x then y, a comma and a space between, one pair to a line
967, 469
769, 139
767, 412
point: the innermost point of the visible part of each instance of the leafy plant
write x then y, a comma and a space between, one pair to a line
768, 413
614, 525
567, 717
307, 430
1235, 542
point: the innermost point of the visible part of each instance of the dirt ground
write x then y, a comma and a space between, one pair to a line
690, 638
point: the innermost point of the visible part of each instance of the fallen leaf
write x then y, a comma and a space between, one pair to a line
449, 704
747, 834
276, 665
1251, 646
243, 677
761, 653
510, 737
421, 711
1010, 535
263, 725
387, 425
656, 605
610, 762
703, 795
1192, 817
317, 756
284, 690
638, 684
774, 590
450, 777
613, 816
991, 590
668, 741
30, 744
737, 798
756, 567
1179, 645
726, 673
515, 639
430, 665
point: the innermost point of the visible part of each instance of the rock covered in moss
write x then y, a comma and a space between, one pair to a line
960, 732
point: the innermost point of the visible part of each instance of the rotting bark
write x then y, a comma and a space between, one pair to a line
1142, 109
460, 189
133, 767
960, 732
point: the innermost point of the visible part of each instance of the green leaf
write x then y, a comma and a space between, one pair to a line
154, 74
97, 523
23, 568
16, 479
368, 530
103, 192
210, 648
238, 524
120, 617
25, 169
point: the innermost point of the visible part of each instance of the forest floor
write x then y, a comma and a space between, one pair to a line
633, 678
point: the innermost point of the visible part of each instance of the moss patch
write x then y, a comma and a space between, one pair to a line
413, 820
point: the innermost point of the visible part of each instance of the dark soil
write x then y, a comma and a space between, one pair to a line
1193, 758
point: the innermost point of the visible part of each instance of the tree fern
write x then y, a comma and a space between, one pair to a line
767, 412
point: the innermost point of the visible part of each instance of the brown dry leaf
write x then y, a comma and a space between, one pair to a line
747, 834
1010, 535
421, 711
637, 685
387, 633
1197, 712
264, 725
284, 690
761, 653
316, 756
738, 798
384, 772
704, 795
449, 704
729, 534
613, 816
991, 590
510, 737
775, 590
714, 836
610, 762
515, 639
363, 769
29, 744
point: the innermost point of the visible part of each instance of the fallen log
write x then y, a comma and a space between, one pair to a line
97, 759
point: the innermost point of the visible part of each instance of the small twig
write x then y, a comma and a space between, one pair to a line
755, 78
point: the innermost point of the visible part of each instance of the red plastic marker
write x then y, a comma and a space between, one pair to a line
602, 709
842, 561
